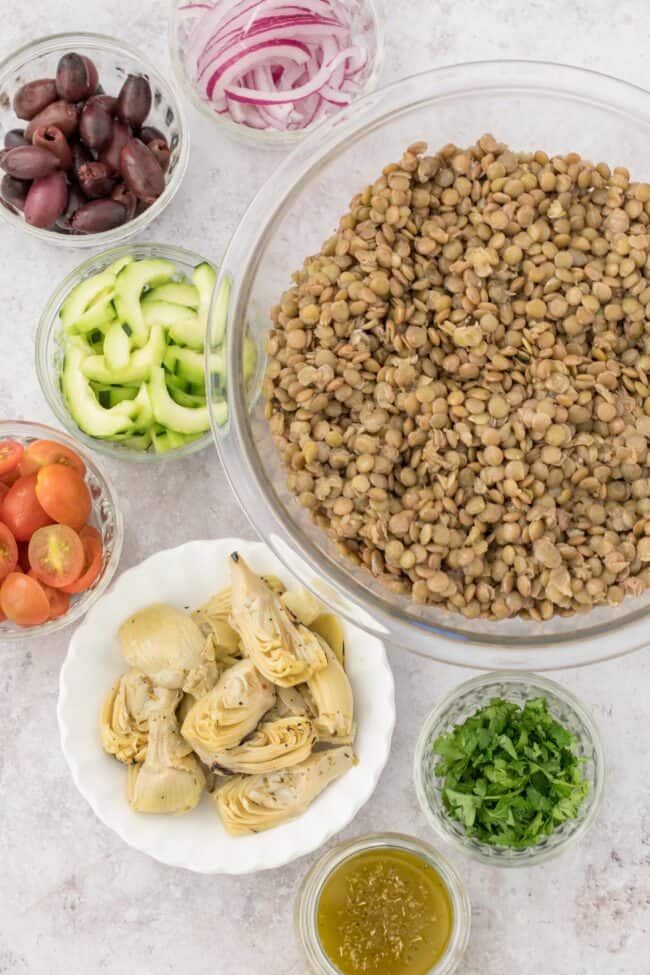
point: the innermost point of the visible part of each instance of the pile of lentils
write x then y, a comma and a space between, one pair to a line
458, 383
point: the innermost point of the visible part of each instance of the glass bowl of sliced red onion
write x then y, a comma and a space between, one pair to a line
269, 70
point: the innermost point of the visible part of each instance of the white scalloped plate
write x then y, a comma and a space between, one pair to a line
186, 577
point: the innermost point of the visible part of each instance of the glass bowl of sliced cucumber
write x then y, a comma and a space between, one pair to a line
120, 352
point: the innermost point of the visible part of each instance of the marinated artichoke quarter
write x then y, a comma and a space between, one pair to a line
242, 698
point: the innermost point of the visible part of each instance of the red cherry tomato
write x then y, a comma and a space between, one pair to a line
10, 454
8, 551
62, 493
3, 491
11, 477
23, 600
59, 601
21, 511
93, 554
40, 453
56, 555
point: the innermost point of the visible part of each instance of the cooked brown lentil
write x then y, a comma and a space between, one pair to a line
458, 383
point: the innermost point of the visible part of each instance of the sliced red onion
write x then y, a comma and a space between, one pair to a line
278, 64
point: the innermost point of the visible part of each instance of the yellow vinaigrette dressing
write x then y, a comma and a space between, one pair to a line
385, 911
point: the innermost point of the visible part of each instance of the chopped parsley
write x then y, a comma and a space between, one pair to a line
510, 774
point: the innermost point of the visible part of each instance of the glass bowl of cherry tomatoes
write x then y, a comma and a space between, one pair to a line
61, 530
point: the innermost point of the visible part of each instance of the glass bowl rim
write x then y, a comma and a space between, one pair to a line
307, 898
446, 642
269, 138
482, 852
44, 333
106, 43
26, 428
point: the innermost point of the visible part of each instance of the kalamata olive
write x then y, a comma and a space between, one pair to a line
46, 200
76, 199
95, 126
95, 180
72, 81
119, 137
80, 155
15, 137
14, 191
93, 77
160, 150
141, 171
122, 194
53, 139
33, 97
134, 100
62, 114
29, 162
149, 132
97, 216
107, 102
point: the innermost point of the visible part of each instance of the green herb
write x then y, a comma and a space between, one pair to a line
510, 774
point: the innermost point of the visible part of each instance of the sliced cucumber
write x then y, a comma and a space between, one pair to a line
220, 412
120, 264
83, 295
165, 440
108, 396
98, 317
138, 368
144, 417
182, 323
176, 292
190, 365
204, 277
190, 400
139, 441
92, 418
219, 315
170, 414
129, 285
116, 347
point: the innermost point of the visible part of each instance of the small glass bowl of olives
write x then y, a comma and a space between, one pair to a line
93, 141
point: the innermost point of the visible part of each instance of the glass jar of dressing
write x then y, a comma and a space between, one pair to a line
383, 904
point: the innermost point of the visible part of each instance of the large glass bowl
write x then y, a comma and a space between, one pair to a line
49, 350
529, 105
114, 60
106, 517
518, 688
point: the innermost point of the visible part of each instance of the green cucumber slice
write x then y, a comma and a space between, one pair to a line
129, 285
83, 295
190, 365
108, 396
120, 264
176, 292
182, 323
170, 414
116, 347
204, 277
139, 441
190, 400
219, 315
80, 399
220, 412
99, 316
139, 366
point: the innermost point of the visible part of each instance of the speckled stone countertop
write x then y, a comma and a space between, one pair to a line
74, 898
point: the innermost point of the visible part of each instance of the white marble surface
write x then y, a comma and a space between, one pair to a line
72, 897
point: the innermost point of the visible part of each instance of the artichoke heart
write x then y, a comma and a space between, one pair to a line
329, 627
200, 680
333, 703
250, 804
302, 604
229, 712
163, 642
170, 780
125, 714
275, 745
285, 653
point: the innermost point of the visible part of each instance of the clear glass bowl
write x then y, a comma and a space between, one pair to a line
368, 24
461, 704
106, 517
49, 349
527, 104
114, 61
306, 907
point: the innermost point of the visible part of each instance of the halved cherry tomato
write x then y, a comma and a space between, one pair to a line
21, 511
3, 491
23, 600
8, 551
11, 477
10, 454
59, 601
43, 452
93, 552
63, 494
56, 554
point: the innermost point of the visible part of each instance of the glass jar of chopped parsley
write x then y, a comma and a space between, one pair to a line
510, 768
383, 904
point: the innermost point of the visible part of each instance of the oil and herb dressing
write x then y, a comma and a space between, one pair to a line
385, 911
